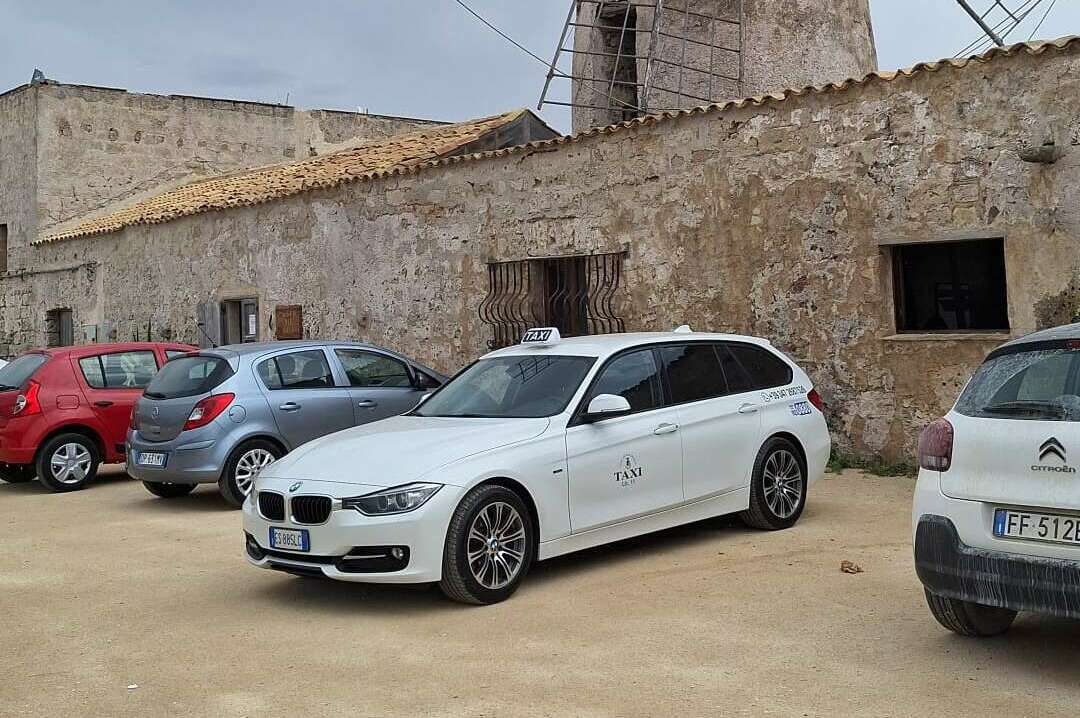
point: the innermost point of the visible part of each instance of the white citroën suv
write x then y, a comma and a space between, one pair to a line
996, 516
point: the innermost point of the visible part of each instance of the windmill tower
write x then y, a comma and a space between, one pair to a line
625, 58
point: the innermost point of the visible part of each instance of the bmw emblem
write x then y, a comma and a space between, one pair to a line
294, 487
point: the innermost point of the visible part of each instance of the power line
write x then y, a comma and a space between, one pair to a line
545, 63
503, 35
1045, 15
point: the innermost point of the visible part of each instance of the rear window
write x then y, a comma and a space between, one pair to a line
188, 376
1039, 384
17, 372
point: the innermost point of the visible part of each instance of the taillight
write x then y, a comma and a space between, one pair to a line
207, 410
26, 403
935, 446
131, 420
814, 398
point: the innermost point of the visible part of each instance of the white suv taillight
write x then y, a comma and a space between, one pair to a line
935, 446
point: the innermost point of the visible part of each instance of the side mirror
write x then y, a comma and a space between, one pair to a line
606, 406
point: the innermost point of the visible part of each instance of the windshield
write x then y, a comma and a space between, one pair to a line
188, 376
15, 373
510, 387
1040, 384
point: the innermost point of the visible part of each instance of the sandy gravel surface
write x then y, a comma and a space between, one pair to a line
111, 588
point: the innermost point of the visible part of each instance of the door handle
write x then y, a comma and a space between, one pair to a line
103, 403
666, 429
748, 409
290, 406
367, 404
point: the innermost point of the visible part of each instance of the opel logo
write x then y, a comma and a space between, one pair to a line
1052, 447
294, 487
155, 412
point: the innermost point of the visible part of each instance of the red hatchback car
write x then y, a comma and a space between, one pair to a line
65, 411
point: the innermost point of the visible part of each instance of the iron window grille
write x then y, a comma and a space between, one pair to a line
574, 294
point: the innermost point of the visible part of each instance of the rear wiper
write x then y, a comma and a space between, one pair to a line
7, 387
1021, 408
153, 395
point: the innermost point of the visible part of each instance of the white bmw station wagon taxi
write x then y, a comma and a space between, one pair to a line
544, 448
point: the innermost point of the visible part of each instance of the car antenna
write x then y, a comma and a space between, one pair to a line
201, 329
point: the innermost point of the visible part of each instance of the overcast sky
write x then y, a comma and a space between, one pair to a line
419, 58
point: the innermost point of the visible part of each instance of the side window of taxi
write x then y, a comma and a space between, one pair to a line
762, 369
633, 376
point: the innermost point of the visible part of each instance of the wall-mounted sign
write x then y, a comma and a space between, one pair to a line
289, 321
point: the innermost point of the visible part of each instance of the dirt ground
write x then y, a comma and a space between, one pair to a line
112, 588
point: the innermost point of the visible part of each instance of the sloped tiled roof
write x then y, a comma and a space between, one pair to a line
249, 187
112, 223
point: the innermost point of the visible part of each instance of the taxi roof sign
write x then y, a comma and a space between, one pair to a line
541, 336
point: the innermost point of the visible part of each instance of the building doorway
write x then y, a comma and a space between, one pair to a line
239, 321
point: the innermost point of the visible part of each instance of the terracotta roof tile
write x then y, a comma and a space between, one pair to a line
249, 187
399, 155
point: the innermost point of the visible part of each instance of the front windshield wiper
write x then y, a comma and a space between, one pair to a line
1028, 408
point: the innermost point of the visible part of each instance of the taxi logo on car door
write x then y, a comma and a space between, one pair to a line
629, 471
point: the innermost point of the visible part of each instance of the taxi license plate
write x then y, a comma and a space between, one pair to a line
151, 458
1054, 528
290, 539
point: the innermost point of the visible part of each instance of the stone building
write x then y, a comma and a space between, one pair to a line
692, 52
886, 232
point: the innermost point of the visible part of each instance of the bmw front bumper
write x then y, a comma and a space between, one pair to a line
347, 546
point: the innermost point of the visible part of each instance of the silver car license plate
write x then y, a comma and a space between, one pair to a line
1054, 528
290, 539
151, 458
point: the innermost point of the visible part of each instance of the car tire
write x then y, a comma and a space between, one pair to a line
168, 491
17, 474
777, 487
67, 462
501, 515
969, 619
236, 479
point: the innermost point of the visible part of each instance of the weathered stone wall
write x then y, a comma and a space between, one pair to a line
762, 219
18, 116
781, 44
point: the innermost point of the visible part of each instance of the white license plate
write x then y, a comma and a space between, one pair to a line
290, 539
1055, 528
151, 458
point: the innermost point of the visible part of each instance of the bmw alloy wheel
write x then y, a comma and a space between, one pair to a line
496, 545
783, 483
248, 467
70, 463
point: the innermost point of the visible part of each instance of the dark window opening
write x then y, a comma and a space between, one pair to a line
3, 248
59, 328
573, 294
239, 321
618, 38
951, 286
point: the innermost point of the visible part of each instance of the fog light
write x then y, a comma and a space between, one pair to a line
398, 553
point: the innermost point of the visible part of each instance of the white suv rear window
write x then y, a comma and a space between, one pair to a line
1039, 384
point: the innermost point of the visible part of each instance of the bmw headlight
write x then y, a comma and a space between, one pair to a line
397, 500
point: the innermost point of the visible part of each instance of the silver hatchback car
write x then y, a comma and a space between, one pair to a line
220, 415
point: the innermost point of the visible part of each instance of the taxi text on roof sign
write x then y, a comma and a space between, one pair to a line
542, 335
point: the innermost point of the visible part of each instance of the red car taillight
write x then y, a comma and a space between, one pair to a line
207, 410
26, 403
814, 398
935, 446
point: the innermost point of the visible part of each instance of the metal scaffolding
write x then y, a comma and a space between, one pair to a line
640, 56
